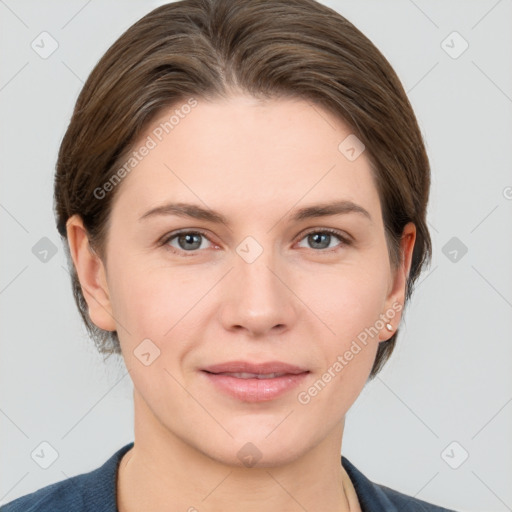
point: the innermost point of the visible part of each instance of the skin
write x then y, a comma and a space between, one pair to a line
256, 162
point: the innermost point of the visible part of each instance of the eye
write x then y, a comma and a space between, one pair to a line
187, 241
321, 239
190, 242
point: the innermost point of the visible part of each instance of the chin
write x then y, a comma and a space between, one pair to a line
250, 455
254, 447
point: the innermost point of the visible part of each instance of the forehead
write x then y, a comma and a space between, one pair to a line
248, 155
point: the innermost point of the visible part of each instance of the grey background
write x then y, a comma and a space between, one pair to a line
450, 378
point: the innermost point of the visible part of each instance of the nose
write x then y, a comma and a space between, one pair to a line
256, 298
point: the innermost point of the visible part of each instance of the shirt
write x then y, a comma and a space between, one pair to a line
95, 491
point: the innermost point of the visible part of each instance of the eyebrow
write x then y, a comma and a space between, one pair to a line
308, 212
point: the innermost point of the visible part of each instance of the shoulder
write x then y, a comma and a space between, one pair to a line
374, 496
404, 502
58, 497
87, 492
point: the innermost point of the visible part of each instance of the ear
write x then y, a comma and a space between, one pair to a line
91, 274
396, 296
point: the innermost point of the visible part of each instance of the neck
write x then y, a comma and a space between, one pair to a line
162, 472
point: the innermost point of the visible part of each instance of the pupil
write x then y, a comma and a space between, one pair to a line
189, 238
316, 236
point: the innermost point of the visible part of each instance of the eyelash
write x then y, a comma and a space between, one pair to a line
167, 238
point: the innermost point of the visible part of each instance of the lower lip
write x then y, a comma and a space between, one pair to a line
256, 390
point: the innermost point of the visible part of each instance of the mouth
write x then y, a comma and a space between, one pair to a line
245, 375
254, 382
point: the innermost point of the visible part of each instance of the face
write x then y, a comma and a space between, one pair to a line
269, 278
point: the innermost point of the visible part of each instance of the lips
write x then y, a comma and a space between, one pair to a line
255, 382
245, 375
259, 369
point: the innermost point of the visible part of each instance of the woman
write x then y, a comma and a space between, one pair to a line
242, 190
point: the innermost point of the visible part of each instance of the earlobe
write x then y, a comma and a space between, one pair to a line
91, 274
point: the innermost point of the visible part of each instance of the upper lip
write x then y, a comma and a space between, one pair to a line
257, 368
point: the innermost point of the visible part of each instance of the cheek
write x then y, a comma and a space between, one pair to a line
158, 297
336, 301
346, 299
153, 302
349, 303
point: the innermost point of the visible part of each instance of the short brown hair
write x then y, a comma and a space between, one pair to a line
269, 49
